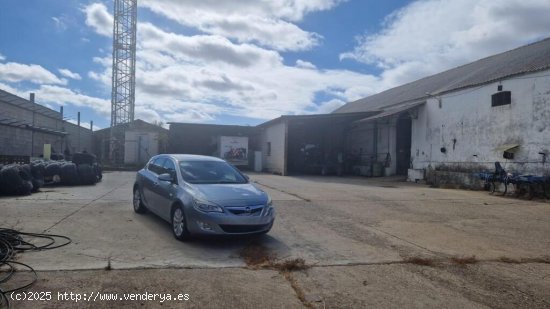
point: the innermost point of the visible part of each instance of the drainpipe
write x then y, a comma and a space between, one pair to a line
375, 139
92, 144
33, 122
62, 128
79, 150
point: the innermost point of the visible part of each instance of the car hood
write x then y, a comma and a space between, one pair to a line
230, 194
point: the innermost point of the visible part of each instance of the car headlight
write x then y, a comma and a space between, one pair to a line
269, 201
207, 206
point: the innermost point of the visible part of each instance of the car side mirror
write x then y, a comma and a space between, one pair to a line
166, 177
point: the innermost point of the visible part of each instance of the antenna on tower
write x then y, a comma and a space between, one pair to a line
124, 74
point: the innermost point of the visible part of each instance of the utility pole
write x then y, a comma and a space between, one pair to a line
124, 74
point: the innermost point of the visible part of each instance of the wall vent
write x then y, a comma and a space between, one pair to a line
501, 98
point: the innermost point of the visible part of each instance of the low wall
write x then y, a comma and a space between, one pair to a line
454, 180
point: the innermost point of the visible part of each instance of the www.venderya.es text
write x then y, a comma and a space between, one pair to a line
94, 296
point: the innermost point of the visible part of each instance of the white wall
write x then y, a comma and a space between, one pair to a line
478, 128
275, 134
136, 152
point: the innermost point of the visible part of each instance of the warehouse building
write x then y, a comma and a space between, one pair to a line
26, 126
459, 121
463, 119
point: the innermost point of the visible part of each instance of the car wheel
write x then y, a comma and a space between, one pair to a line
179, 227
139, 207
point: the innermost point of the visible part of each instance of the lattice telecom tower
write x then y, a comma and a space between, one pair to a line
124, 73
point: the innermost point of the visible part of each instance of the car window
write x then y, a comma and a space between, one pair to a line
210, 172
151, 166
169, 167
157, 166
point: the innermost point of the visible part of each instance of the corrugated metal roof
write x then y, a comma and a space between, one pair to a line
138, 123
526, 59
393, 111
317, 116
28, 105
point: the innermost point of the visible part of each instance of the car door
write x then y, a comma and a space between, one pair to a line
166, 191
150, 185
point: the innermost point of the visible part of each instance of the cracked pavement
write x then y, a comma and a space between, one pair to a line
356, 233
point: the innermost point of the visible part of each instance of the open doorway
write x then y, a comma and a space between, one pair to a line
403, 144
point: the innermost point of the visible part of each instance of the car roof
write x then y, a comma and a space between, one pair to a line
191, 157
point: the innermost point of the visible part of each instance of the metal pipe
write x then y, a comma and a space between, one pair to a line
78, 121
33, 123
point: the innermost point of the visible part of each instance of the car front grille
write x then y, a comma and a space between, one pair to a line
245, 210
244, 228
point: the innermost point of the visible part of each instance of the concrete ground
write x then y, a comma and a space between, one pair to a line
367, 243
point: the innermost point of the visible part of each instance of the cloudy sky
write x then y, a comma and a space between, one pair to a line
246, 61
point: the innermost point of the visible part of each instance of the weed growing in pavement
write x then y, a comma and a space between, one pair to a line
257, 256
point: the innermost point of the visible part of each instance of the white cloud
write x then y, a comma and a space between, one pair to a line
17, 72
268, 23
329, 106
2, 57
60, 23
235, 68
50, 96
98, 17
305, 64
198, 78
430, 36
67, 73
206, 48
83, 124
13, 90
65, 96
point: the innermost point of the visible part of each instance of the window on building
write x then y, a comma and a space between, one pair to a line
268, 148
501, 98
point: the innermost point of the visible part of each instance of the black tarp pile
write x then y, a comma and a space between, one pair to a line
27, 178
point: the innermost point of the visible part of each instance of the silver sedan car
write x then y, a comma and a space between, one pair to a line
201, 195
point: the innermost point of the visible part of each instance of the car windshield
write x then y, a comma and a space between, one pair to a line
210, 172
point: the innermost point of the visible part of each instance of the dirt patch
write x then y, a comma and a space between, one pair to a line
291, 265
464, 260
258, 256
541, 260
468, 260
420, 261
